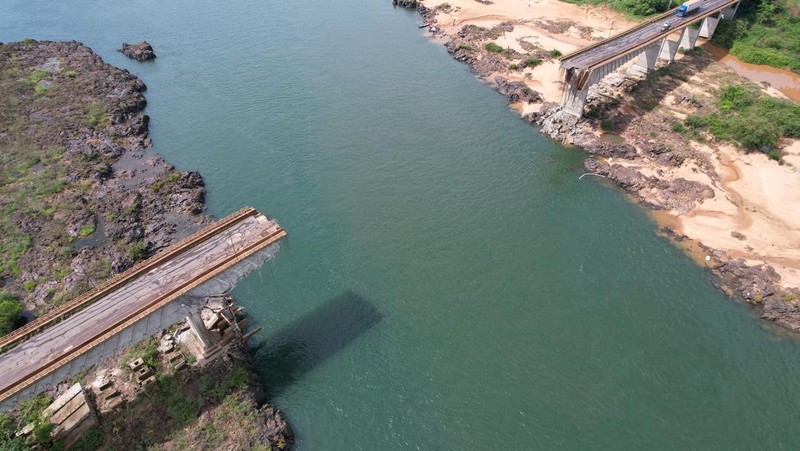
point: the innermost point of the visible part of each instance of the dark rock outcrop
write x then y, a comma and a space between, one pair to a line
141, 51
516, 91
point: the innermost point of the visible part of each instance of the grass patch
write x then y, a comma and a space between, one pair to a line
493, 47
532, 61
136, 250
764, 32
96, 114
86, 230
38, 75
750, 120
10, 310
635, 8
146, 350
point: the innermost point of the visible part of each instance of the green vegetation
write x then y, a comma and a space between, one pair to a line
10, 309
136, 250
169, 179
28, 412
215, 391
38, 75
146, 350
752, 121
493, 47
29, 285
532, 61
513, 66
90, 441
606, 125
555, 53
86, 230
638, 8
465, 46
764, 32
96, 114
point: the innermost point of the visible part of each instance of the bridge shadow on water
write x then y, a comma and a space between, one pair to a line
290, 353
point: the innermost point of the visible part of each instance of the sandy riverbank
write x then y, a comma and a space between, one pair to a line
735, 212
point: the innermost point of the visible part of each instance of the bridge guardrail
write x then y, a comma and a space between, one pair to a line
87, 346
120, 279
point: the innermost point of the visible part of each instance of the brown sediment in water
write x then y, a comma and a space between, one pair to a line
783, 80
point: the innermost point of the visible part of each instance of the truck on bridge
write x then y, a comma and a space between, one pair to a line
689, 7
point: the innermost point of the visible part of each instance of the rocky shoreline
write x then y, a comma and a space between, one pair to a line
641, 164
83, 194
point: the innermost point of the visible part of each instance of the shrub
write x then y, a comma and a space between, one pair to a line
532, 61
29, 285
695, 121
678, 127
493, 47
607, 125
513, 66
136, 250
774, 154
10, 310
555, 53
465, 46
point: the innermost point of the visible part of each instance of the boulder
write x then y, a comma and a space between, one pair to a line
140, 52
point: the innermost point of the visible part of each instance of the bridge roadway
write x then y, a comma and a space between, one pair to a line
51, 341
582, 61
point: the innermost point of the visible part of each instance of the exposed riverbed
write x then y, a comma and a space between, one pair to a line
783, 80
449, 283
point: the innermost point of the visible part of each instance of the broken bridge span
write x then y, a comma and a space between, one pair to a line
135, 304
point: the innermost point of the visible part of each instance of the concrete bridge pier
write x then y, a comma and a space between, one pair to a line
647, 59
708, 26
689, 38
729, 12
669, 49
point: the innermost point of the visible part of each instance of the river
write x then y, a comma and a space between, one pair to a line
448, 282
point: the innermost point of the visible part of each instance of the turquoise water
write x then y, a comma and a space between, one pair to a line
448, 282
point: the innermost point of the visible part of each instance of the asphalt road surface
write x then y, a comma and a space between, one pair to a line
651, 32
35, 353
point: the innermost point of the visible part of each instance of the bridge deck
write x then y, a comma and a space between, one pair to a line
637, 37
140, 290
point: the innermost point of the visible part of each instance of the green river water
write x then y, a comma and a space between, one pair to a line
448, 282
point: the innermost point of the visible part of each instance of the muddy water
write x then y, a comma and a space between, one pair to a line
783, 80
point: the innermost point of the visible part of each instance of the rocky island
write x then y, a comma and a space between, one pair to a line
83, 197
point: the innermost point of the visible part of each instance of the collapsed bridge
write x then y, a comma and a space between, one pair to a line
135, 304
647, 42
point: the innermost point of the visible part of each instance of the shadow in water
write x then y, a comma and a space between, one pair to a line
295, 350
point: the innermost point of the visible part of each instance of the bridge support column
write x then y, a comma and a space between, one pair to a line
647, 59
575, 99
668, 50
708, 26
729, 12
689, 38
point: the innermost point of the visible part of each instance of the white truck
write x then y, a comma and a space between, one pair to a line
689, 7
